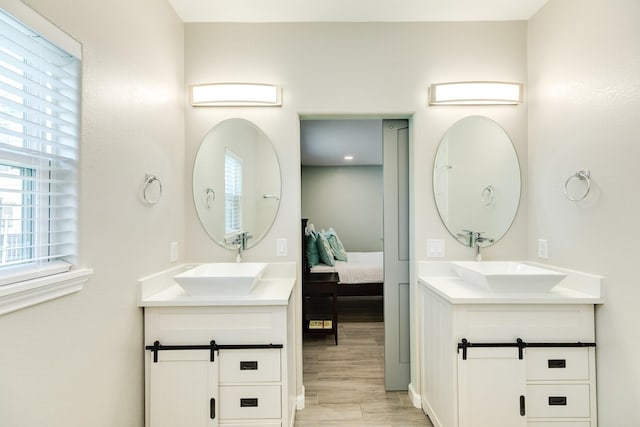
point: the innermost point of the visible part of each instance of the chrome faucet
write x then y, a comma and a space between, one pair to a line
474, 239
240, 241
244, 237
478, 239
467, 235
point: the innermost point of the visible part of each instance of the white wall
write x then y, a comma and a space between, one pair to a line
347, 198
78, 361
90, 372
376, 69
584, 104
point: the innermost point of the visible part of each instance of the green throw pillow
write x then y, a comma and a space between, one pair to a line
313, 257
324, 249
337, 247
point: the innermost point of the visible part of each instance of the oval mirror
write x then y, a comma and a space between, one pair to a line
236, 183
476, 180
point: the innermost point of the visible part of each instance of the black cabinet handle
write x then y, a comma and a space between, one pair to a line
522, 406
249, 403
246, 365
557, 400
212, 408
557, 363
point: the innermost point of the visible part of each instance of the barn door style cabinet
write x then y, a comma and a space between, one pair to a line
220, 362
212, 385
549, 384
507, 359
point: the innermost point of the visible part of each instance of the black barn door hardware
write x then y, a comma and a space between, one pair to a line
464, 345
212, 347
156, 347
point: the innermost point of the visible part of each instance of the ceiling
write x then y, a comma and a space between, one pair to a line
327, 142
354, 10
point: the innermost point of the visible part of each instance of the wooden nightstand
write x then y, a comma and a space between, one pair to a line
320, 304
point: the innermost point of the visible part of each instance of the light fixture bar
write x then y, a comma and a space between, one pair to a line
235, 95
475, 93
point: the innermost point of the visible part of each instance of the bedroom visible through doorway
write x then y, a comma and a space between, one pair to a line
354, 181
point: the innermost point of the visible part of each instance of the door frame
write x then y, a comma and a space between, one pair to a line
354, 116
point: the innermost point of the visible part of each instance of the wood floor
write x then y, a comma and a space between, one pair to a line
345, 383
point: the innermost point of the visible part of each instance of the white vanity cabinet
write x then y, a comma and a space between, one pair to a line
545, 380
246, 383
497, 388
220, 360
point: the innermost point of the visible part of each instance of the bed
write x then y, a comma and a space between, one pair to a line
361, 275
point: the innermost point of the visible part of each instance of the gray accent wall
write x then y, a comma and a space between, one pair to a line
347, 198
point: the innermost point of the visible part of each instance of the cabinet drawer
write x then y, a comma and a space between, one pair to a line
559, 424
254, 365
249, 402
557, 363
558, 401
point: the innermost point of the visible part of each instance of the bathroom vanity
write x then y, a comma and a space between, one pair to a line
507, 357
220, 360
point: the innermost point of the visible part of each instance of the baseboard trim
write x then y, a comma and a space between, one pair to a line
416, 399
300, 401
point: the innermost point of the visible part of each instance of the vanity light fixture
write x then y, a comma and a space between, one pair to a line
348, 157
475, 93
235, 95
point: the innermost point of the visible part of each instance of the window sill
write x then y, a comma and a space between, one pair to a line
31, 292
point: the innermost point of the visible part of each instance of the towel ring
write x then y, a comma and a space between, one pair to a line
583, 175
487, 195
209, 197
148, 181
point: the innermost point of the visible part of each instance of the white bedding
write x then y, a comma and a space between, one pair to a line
361, 267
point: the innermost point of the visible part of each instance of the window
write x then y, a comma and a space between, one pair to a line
39, 138
232, 192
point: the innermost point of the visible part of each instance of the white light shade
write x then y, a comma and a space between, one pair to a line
235, 94
475, 93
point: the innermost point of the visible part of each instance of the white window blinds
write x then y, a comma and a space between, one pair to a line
39, 138
232, 192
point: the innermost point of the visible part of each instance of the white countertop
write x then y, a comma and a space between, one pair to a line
274, 288
576, 288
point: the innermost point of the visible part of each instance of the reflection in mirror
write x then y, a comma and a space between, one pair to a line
476, 181
236, 184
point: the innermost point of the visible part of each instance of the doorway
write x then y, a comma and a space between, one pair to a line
355, 179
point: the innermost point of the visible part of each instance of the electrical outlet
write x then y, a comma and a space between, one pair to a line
543, 251
435, 248
174, 252
281, 247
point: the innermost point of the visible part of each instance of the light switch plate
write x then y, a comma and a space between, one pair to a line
435, 248
173, 252
281, 247
543, 250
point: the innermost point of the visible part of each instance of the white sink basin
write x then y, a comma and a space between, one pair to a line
221, 279
508, 276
